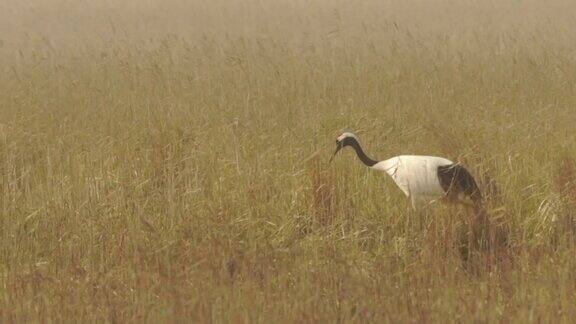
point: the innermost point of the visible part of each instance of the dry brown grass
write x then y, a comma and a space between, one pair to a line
167, 160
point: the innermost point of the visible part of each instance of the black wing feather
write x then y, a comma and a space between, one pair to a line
455, 179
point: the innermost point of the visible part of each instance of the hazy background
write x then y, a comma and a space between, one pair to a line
167, 160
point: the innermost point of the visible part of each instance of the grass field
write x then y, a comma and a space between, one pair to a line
167, 160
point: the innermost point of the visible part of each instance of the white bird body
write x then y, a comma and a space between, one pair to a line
416, 175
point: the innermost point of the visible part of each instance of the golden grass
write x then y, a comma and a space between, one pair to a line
167, 160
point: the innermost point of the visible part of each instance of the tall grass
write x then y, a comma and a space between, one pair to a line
167, 160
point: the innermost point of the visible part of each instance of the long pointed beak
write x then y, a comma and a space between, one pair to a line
335, 152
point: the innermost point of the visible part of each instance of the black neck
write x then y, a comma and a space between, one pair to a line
361, 155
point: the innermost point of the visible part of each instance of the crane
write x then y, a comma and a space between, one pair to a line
422, 178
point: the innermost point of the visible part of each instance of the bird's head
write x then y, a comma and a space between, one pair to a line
346, 139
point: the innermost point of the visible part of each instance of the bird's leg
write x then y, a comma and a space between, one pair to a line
409, 214
418, 212
481, 225
423, 216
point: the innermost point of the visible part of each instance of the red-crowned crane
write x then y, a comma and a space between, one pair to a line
422, 178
